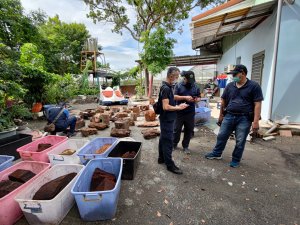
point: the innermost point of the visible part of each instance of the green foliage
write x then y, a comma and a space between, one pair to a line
5, 122
31, 57
129, 75
35, 81
84, 82
63, 45
60, 89
150, 14
15, 27
20, 112
10, 90
9, 68
158, 51
140, 89
116, 80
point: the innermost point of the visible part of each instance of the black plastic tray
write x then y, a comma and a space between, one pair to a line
130, 166
9, 145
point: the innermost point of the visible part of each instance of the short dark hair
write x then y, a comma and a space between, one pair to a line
172, 70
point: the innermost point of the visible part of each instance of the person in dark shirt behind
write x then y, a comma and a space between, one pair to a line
186, 92
167, 118
240, 108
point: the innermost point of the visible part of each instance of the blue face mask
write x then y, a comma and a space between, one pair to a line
236, 79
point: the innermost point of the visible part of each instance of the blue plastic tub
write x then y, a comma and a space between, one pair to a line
98, 205
5, 161
87, 152
202, 115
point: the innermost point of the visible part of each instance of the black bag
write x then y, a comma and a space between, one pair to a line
50, 127
157, 106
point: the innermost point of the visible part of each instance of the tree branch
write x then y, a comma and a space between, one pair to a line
123, 24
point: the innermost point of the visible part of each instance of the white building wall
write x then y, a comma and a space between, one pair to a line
287, 81
260, 39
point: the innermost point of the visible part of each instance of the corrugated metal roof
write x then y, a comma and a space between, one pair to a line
244, 15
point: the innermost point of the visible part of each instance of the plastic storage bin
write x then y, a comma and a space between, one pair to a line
130, 165
9, 145
98, 205
10, 211
5, 161
87, 152
48, 211
75, 144
29, 151
202, 115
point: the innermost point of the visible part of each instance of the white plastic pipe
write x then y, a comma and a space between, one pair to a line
274, 58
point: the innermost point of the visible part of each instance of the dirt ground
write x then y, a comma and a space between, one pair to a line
265, 189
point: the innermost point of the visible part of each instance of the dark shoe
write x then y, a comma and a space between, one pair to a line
160, 161
176, 167
211, 155
175, 170
234, 164
186, 151
71, 134
175, 147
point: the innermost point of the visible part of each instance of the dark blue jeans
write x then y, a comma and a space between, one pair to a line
241, 125
165, 146
71, 122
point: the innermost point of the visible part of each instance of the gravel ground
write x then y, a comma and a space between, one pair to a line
265, 189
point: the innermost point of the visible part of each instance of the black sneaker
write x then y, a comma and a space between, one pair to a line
71, 134
176, 167
175, 170
160, 161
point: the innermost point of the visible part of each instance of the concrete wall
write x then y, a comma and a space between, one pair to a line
287, 82
260, 39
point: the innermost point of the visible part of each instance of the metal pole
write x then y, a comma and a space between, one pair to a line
274, 58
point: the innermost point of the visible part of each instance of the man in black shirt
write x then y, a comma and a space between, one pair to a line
186, 92
167, 119
240, 108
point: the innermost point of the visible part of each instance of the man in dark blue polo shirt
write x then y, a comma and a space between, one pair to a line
167, 119
240, 108
186, 92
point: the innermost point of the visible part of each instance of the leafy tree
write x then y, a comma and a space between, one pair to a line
65, 43
30, 55
150, 15
15, 27
158, 51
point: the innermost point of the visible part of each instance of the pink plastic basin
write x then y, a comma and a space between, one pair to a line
29, 151
10, 211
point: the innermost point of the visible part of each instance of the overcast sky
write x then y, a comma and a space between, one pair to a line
120, 51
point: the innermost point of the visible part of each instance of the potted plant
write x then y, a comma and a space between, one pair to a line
10, 92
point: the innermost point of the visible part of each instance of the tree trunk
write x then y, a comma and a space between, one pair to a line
150, 87
146, 81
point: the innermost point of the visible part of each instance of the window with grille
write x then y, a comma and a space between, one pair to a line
257, 67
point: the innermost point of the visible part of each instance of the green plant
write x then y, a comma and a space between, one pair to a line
5, 122
20, 112
60, 89
158, 50
140, 89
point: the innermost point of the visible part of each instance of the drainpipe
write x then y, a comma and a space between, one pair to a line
274, 58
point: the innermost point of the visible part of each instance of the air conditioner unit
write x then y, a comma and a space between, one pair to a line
228, 68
